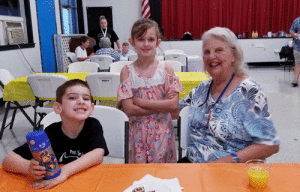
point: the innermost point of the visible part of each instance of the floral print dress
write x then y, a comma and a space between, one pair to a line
151, 137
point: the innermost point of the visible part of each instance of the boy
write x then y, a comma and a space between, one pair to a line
80, 51
77, 140
125, 50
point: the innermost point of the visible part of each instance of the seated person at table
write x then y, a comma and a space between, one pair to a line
105, 49
80, 51
77, 141
125, 50
229, 117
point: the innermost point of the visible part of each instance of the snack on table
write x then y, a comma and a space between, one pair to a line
139, 189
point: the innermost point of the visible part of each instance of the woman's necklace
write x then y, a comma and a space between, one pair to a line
213, 105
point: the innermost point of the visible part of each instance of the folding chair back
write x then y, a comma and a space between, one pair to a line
49, 119
174, 51
5, 78
45, 85
115, 124
116, 67
181, 57
177, 66
44, 88
103, 60
72, 57
103, 85
184, 130
132, 57
82, 67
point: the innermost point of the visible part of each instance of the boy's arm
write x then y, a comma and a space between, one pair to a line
17, 164
89, 159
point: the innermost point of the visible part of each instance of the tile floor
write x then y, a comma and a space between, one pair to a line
284, 103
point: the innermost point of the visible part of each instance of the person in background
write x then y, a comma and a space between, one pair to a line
294, 30
80, 51
104, 31
148, 93
105, 49
77, 141
187, 36
125, 50
229, 119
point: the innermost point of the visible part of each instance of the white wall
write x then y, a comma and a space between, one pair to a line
13, 60
125, 13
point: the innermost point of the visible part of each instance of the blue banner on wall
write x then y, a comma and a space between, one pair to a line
47, 28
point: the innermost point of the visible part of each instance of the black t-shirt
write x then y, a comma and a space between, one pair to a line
67, 150
97, 35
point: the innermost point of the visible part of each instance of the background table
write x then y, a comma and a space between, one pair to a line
226, 177
19, 89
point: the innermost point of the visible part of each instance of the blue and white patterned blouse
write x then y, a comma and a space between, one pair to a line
296, 29
237, 121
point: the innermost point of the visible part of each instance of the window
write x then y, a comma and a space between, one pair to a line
15, 22
10, 8
69, 16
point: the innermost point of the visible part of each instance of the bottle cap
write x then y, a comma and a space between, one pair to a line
37, 141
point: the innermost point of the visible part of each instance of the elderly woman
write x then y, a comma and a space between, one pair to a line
105, 49
229, 118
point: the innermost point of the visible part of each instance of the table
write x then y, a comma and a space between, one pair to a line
19, 89
206, 177
190, 80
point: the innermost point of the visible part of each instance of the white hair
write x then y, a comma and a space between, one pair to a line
227, 36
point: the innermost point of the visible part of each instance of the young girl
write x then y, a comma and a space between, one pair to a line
148, 93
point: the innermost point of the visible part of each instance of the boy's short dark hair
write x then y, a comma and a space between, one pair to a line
125, 44
83, 39
61, 90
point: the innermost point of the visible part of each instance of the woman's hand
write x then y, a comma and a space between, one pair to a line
35, 170
47, 184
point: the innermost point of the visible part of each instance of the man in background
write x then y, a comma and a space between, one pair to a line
294, 30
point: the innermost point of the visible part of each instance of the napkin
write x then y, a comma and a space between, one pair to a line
151, 183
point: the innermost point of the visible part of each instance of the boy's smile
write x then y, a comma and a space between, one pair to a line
76, 103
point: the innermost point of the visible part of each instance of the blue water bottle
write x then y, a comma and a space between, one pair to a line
42, 152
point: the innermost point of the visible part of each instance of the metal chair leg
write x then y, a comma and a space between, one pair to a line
4, 119
13, 119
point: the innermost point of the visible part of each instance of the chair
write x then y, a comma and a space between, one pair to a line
72, 57
5, 78
103, 60
177, 66
174, 51
181, 57
104, 86
132, 57
44, 88
116, 67
115, 124
183, 130
84, 66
